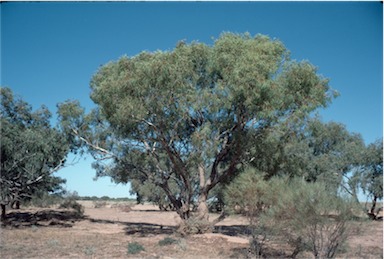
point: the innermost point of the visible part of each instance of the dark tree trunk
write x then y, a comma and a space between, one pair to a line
371, 213
3, 212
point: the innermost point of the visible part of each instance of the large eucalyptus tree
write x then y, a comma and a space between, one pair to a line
188, 116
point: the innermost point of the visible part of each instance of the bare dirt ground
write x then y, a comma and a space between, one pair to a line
105, 232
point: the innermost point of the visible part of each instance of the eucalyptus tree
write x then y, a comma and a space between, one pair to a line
31, 150
315, 151
370, 176
189, 115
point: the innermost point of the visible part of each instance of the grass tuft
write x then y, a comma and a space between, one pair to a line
167, 241
135, 248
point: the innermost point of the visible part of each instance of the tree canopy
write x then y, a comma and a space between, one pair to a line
31, 150
370, 175
190, 115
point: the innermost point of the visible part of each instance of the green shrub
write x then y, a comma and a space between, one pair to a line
250, 195
44, 200
135, 248
167, 241
89, 250
308, 216
72, 204
193, 226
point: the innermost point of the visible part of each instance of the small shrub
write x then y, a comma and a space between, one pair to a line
72, 204
251, 195
122, 206
167, 241
305, 215
34, 228
135, 248
53, 243
90, 250
125, 208
99, 204
182, 245
194, 226
311, 218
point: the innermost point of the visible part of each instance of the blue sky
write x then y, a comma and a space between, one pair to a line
49, 51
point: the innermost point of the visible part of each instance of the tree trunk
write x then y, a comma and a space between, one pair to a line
372, 213
3, 212
15, 205
198, 222
202, 207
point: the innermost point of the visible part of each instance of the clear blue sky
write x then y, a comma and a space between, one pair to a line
49, 51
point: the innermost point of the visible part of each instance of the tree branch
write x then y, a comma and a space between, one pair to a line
89, 143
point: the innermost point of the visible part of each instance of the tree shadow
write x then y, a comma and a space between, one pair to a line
234, 230
43, 218
269, 251
140, 229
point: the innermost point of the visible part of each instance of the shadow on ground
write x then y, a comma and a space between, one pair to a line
144, 229
141, 229
235, 230
66, 218
44, 218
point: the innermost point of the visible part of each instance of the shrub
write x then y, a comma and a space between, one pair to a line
99, 204
306, 215
135, 248
90, 250
193, 226
122, 206
250, 194
310, 218
45, 200
167, 241
72, 204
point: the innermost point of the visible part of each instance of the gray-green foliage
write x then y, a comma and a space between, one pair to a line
189, 115
335, 151
31, 150
370, 175
147, 191
70, 203
251, 195
134, 248
310, 217
304, 214
313, 150
167, 241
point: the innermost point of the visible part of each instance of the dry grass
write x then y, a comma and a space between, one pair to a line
106, 232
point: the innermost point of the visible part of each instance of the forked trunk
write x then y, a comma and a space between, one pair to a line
197, 222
